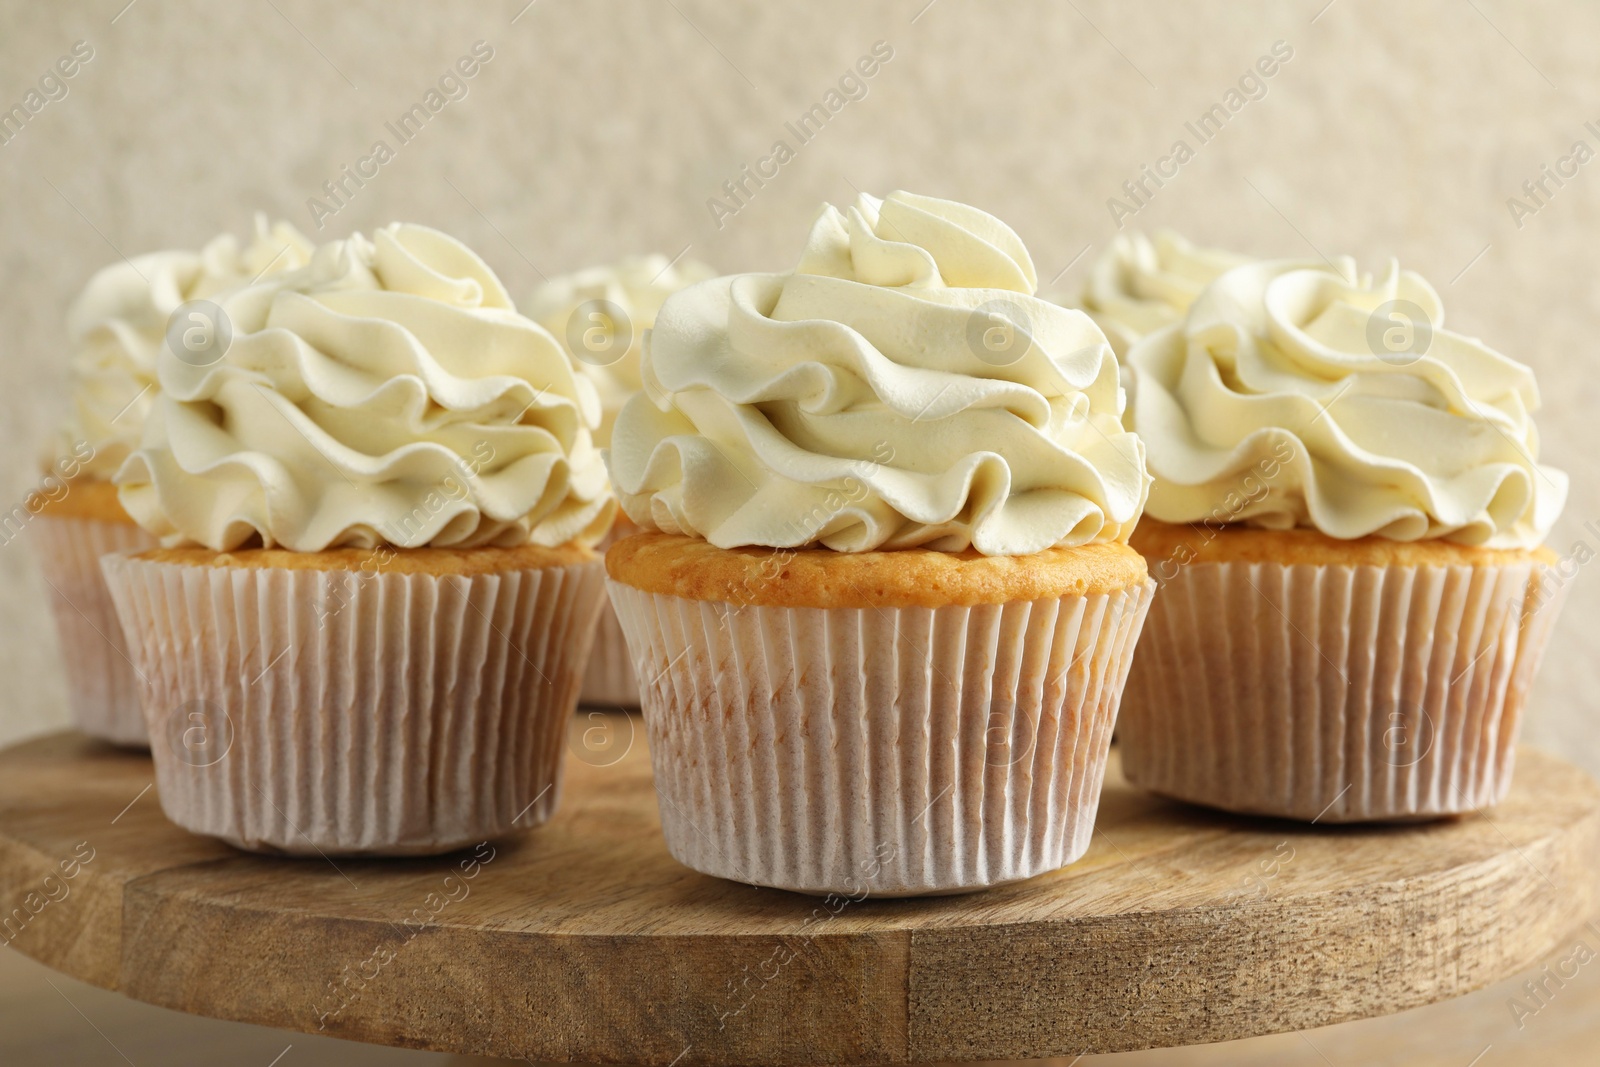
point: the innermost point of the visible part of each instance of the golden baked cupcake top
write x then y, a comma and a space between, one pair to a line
688, 567
1167, 545
386, 393
902, 387
84, 498
434, 562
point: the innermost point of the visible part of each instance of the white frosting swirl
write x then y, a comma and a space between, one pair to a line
856, 403
386, 392
1297, 394
118, 326
605, 349
1139, 285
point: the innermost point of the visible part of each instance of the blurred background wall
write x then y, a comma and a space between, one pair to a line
602, 129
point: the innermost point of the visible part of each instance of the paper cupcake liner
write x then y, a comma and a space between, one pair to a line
894, 752
354, 711
102, 685
1336, 693
609, 679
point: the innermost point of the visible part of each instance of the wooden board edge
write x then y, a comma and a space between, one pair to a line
1524, 913
61, 911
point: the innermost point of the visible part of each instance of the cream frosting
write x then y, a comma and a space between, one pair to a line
118, 327
386, 392
1298, 394
1140, 285
871, 399
607, 350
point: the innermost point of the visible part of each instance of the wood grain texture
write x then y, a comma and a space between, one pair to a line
583, 940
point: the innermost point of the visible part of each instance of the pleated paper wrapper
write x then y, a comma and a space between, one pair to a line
610, 680
1336, 693
102, 685
894, 752
357, 712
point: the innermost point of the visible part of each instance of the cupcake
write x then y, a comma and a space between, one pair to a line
118, 326
884, 606
1140, 285
1346, 525
365, 626
601, 314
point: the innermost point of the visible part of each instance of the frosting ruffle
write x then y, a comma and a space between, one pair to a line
388, 392
1305, 394
901, 387
118, 327
604, 348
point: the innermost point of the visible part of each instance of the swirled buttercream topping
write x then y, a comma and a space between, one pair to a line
1140, 285
387, 392
901, 387
602, 313
1306, 394
118, 324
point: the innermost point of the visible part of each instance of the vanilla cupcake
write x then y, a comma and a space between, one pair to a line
118, 326
601, 314
885, 610
1346, 524
365, 629
1140, 285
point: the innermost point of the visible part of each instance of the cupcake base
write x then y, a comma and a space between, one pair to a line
310, 703
891, 750
1389, 688
103, 687
609, 681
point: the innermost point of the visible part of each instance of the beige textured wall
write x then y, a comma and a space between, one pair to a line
602, 129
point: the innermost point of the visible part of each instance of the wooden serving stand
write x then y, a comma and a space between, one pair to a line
585, 941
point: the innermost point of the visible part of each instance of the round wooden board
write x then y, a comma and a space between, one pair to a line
583, 940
